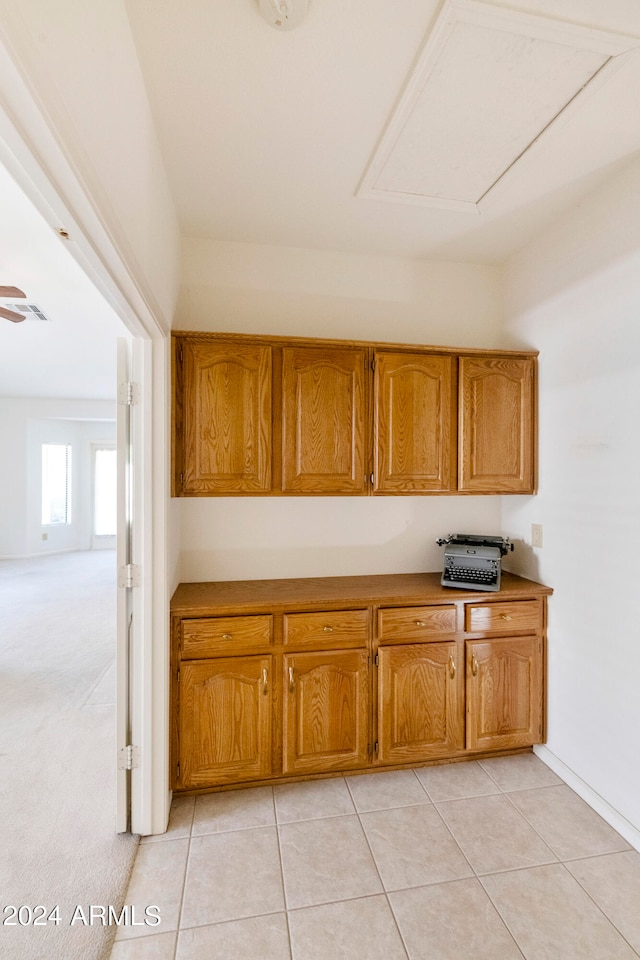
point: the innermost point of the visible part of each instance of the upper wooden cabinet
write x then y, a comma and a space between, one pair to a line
496, 425
269, 415
414, 424
222, 425
323, 420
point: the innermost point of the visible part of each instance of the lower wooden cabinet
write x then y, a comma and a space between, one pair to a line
420, 702
504, 693
345, 674
326, 711
225, 720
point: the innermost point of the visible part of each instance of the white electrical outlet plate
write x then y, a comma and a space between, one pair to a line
536, 534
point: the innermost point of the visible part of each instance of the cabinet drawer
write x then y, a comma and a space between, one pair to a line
416, 623
336, 628
219, 636
504, 617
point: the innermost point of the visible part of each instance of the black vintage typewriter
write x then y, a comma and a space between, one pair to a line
473, 562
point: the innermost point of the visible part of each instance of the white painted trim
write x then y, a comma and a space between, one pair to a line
615, 819
35, 157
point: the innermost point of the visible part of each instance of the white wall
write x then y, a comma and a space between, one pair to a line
575, 293
292, 292
24, 426
81, 68
286, 291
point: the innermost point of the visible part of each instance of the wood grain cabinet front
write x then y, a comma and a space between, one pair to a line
325, 711
416, 623
220, 636
225, 721
279, 680
504, 693
496, 427
273, 416
222, 418
420, 702
414, 423
326, 630
503, 616
323, 420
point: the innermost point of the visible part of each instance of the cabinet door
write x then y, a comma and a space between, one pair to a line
225, 711
496, 430
504, 693
325, 711
414, 423
420, 702
323, 420
226, 416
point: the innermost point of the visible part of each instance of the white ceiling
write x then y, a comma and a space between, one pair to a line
73, 355
268, 134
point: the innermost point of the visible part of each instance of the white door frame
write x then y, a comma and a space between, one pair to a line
31, 152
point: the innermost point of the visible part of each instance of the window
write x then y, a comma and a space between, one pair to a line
105, 502
56, 483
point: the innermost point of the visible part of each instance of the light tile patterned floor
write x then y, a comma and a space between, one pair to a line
489, 860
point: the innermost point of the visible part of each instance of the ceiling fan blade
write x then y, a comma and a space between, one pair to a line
11, 315
11, 292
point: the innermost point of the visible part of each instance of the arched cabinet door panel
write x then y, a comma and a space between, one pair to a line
325, 711
504, 693
323, 420
414, 423
420, 702
226, 418
225, 720
496, 430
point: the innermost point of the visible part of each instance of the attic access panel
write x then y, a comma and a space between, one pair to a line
488, 84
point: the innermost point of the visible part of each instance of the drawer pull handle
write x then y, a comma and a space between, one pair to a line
474, 666
265, 685
452, 667
505, 616
420, 623
227, 636
328, 629
290, 678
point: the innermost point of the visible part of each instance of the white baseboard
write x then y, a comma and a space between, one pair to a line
615, 819
43, 553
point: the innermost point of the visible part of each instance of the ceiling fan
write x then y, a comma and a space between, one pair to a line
13, 293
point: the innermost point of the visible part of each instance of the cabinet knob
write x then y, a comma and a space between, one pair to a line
474, 666
452, 667
227, 636
328, 629
420, 623
265, 685
290, 678
505, 616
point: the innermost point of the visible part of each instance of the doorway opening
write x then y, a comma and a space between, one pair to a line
104, 525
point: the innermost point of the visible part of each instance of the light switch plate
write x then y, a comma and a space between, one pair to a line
536, 534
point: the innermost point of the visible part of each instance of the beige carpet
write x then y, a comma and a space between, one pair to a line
58, 845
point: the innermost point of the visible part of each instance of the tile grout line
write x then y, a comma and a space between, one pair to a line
282, 880
429, 800
476, 875
184, 880
597, 905
385, 892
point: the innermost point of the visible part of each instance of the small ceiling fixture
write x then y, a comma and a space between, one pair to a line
283, 14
